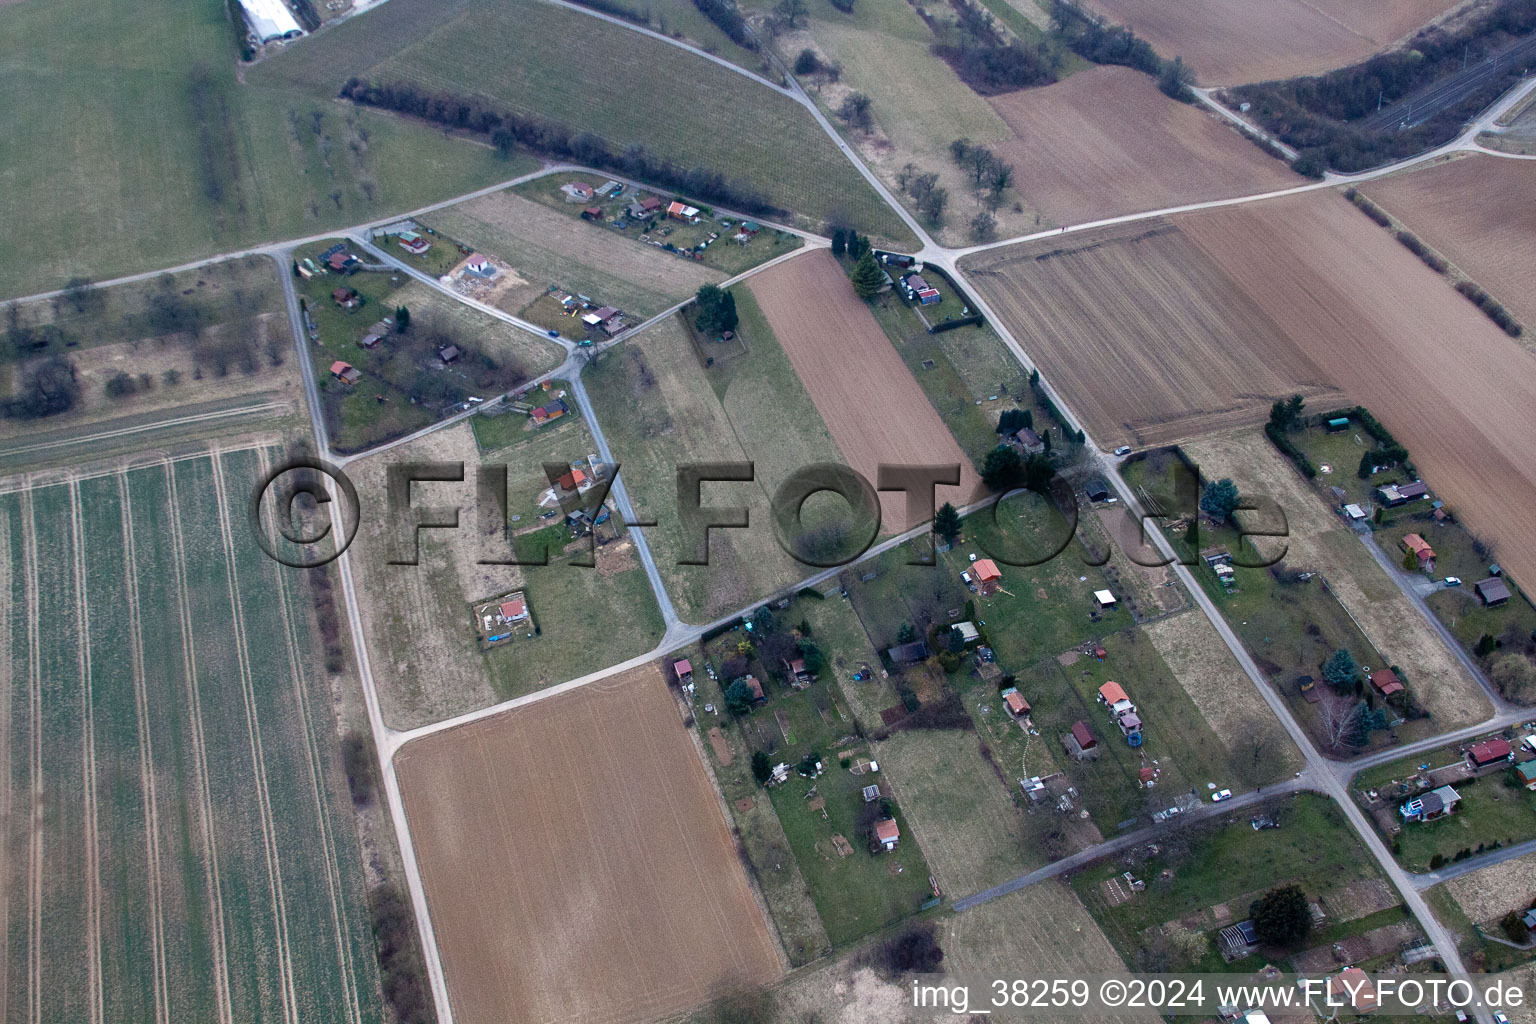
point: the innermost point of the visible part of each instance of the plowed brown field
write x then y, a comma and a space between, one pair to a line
1459, 392
1480, 211
576, 862
1106, 142
1146, 336
869, 399
1229, 42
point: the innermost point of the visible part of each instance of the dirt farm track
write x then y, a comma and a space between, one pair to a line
577, 863
871, 403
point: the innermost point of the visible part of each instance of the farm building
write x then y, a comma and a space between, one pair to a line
1354, 513
644, 206
341, 261
1337, 424
572, 480
1216, 556
908, 654
1527, 771
1029, 442
1096, 489
1436, 803
684, 669
346, 298
1351, 987
592, 213
1421, 550
270, 20
449, 354
968, 631
370, 340
870, 794
916, 289
1015, 702
887, 835
988, 579
345, 372
1492, 591
514, 609
683, 212
545, 413
798, 676
413, 243
1238, 941
755, 686
479, 266
1112, 694
1489, 754
576, 191
1103, 600
1385, 682
1393, 495
1080, 742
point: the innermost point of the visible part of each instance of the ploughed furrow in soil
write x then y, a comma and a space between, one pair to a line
96, 996
65, 985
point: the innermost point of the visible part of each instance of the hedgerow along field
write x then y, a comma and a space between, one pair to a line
179, 846
533, 58
150, 153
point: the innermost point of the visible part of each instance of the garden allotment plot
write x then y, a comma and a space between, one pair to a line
176, 846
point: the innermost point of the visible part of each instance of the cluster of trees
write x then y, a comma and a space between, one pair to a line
927, 194
987, 62
1220, 499
1284, 417
359, 762
855, 111
1092, 40
848, 242
125, 385
508, 130
775, 647
1014, 420
990, 174
1004, 469
402, 971
728, 20
867, 277
620, 10
47, 387
1322, 115
1282, 917
716, 310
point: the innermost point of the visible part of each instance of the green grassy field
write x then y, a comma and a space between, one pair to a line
1290, 627
857, 893
148, 151
404, 367
663, 409
721, 253
538, 59
166, 705
1494, 809
1233, 864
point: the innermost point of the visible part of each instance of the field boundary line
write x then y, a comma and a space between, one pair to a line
258, 756
88, 766
146, 754
105, 435
35, 700
199, 754
109, 465
316, 761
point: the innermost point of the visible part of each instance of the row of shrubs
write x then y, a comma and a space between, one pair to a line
1288, 448
1490, 306
617, 10
509, 130
728, 20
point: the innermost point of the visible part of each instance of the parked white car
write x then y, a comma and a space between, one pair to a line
1220, 795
